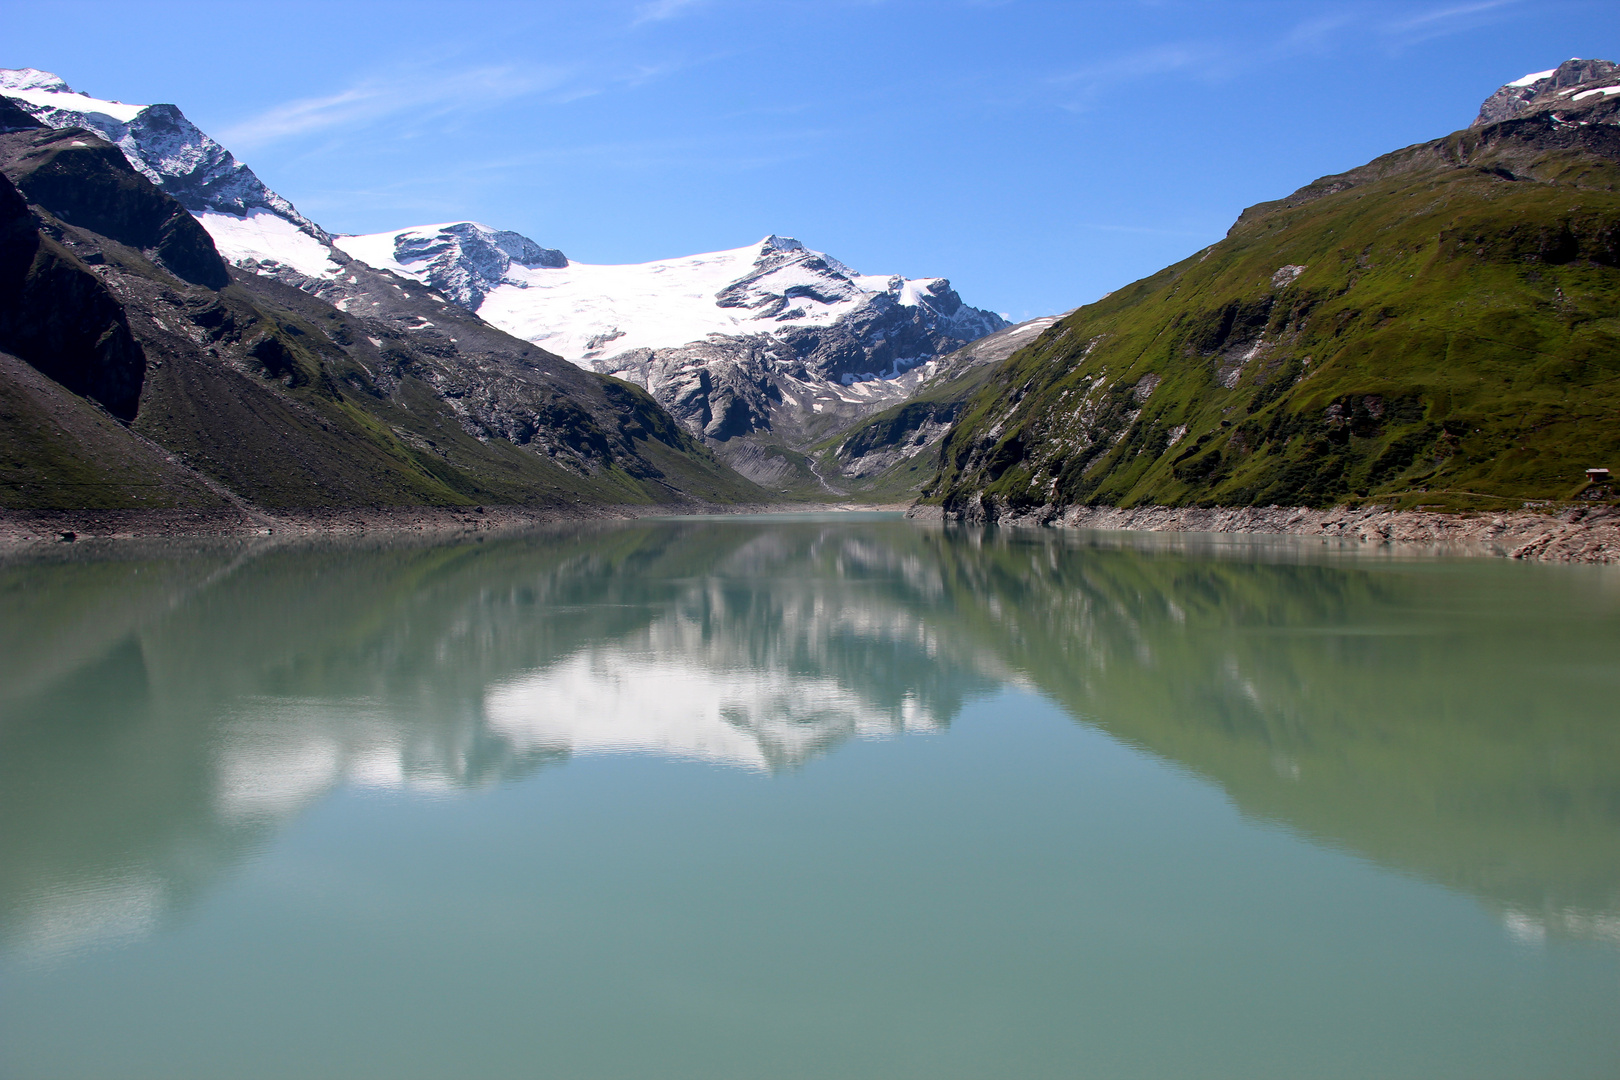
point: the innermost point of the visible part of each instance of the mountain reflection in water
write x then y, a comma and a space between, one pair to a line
165, 710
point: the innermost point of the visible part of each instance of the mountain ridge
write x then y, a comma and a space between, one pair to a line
774, 344
162, 145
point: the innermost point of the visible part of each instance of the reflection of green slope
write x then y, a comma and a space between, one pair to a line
1454, 722
63, 610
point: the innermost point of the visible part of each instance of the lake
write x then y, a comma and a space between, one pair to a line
838, 796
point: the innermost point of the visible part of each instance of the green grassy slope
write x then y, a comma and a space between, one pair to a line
59, 452
1439, 328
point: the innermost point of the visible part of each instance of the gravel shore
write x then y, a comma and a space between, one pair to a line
1566, 534
33, 527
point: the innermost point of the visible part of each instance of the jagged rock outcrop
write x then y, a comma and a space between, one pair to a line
465, 260
1568, 83
159, 142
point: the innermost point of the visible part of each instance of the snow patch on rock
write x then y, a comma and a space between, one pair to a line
1533, 78
263, 237
46, 91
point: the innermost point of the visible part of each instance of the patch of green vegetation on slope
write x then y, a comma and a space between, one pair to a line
60, 452
1440, 328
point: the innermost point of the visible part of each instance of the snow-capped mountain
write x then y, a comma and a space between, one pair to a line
773, 336
591, 312
244, 217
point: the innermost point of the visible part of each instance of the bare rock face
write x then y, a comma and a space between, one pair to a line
466, 260
59, 317
162, 145
14, 118
1568, 82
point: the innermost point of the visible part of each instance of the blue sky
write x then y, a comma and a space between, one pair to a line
1039, 154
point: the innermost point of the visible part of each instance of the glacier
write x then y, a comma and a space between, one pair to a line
590, 312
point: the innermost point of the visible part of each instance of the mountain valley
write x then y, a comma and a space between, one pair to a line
1437, 330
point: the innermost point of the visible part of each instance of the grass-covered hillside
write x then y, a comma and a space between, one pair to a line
1439, 328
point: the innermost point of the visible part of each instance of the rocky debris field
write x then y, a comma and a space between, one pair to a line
1578, 534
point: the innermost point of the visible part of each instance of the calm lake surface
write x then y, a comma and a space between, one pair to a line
817, 797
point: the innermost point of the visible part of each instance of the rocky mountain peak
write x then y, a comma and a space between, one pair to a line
33, 79
1572, 81
466, 260
774, 243
160, 143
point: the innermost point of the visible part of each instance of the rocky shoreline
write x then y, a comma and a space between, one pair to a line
21, 528
26, 527
1565, 534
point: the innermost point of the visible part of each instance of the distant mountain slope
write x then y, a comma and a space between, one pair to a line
250, 391
892, 454
589, 313
1439, 327
773, 343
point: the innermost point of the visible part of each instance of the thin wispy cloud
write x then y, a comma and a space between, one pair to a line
374, 99
1215, 60
1142, 230
1082, 85
443, 191
1317, 33
719, 152
1443, 21
659, 10
1159, 59
1448, 14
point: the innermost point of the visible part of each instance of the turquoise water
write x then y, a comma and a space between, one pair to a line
825, 797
